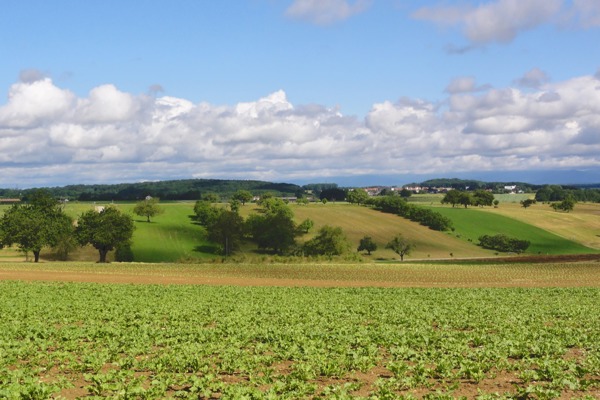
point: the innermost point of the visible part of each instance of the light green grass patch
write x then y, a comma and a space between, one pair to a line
472, 223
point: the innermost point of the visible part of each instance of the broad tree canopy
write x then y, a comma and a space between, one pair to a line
41, 223
105, 230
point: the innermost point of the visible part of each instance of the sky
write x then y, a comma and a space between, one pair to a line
358, 92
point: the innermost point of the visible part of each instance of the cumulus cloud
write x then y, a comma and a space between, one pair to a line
49, 134
533, 78
464, 84
325, 12
498, 21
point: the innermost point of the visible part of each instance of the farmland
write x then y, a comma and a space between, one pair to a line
173, 236
259, 326
182, 341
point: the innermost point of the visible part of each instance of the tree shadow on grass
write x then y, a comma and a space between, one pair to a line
207, 249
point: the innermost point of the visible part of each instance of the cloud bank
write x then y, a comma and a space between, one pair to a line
48, 135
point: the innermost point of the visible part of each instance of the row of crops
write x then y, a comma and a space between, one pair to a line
149, 341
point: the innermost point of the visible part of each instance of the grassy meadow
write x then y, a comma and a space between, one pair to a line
473, 222
173, 235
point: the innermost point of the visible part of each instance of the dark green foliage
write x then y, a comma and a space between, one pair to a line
452, 197
333, 194
482, 198
273, 228
205, 212
568, 204
405, 193
105, 230
41, 223
330, 241
227, 230
358, 196
123, 253
400, 245
243, 196
305, 225
425, 216
503, 243
559, 193
185, 189
527, 203
367, 244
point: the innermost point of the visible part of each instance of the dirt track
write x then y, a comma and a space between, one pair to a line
564, 271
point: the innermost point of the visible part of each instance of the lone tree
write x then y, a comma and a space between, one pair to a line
41, 223
527, 203
367, 244
148, 208
483, 198
568, 204
105, 230
400, 245
243, 196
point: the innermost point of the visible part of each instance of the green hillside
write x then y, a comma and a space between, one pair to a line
472, 223
174, 236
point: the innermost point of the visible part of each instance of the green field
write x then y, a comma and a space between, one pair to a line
173, 236
76, 340
472, 223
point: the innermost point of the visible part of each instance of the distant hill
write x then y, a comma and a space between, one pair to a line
186, 189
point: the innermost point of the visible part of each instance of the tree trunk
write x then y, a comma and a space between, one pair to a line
103, 254
36, 256
148, 218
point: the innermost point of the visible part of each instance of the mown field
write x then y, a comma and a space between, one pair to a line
472, 223
83, 340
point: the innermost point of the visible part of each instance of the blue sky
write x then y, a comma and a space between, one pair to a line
364, 91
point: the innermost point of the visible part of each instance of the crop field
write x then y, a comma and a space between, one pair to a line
84, 340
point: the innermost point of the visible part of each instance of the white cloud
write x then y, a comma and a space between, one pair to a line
115, 136
325, 12
497, 21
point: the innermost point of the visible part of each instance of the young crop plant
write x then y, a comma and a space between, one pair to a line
78, 340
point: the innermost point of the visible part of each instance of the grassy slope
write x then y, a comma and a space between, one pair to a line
358, 221
582, 225
172, 235
472, 223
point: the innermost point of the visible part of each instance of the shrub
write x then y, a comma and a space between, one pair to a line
503, 243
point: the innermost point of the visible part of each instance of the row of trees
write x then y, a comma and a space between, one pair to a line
42, 223
478, 198
399, 245
424, 216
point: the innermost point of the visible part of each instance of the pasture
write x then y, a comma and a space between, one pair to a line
473, 222
173, 236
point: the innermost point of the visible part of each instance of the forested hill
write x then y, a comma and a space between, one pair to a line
187, 189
